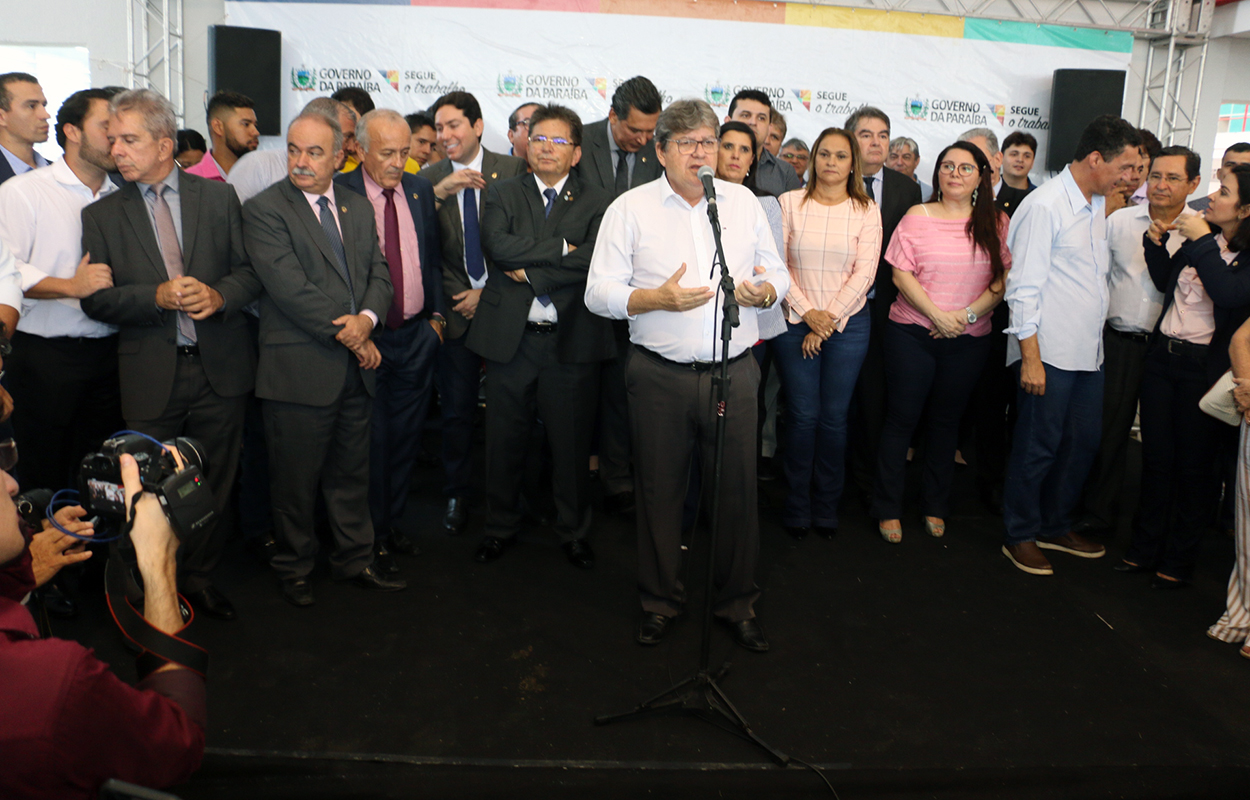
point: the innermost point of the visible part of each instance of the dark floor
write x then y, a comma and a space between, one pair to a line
927, 669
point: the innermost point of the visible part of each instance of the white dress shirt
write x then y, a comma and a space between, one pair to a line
539, 312
10, 280
648, 233
41, 222
1057, 285
456, 166
257, 171
1135, 303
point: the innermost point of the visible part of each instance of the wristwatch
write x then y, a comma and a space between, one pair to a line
970, 315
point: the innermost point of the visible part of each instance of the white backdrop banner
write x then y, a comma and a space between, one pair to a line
934, 76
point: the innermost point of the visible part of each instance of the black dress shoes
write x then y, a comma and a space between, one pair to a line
748, 634
491, 548
1088, 527
401, 543
298, 591
1124, 566
382, 560
826, 533
264, 546
213, 603
579, 553
457, 517
369, 578
1162, 584
620, 504
652, 627
797, 532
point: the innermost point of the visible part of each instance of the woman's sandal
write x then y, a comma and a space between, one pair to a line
935, 527
1245, 651
891, 535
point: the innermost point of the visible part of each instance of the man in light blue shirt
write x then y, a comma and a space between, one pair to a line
1057, 294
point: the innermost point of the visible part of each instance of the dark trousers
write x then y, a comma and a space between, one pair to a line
254, 515
326, 445
868, 402
535, 385
66, 401
196, 411
924, 374
1124, 362
1179, 465
614, 448
401, 403
458, 379
818, 396
672, 415
1055, 441
991, 414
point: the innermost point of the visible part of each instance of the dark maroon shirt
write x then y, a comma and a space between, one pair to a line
67, 723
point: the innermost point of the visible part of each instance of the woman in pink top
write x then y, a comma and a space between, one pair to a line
949, 257
832, 233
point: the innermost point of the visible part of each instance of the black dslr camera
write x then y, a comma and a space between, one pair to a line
184, 496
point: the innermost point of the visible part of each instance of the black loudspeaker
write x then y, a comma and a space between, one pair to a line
248, 61
1077, 97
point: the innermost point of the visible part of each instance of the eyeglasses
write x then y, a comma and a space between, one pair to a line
687, 146
949, 168
521, 123
8, 455
554, 141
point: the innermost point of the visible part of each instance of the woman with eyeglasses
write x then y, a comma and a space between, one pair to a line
949, 258
832, 232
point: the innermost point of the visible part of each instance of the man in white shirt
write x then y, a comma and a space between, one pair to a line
1057, 295
653, 266
63, 369
1132, 312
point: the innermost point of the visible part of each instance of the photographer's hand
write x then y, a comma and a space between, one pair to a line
155, 549
51, 551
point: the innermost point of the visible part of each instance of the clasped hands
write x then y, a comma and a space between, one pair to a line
1191, 226
189, 295
1241, 396
355, 336
823, 324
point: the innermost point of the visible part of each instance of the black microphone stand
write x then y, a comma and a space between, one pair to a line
704, 683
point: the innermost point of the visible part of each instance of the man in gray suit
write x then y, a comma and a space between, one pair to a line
618, 154
460, 183
326, 286
180, 281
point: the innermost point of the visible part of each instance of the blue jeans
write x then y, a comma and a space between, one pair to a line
818, 394
1055, 443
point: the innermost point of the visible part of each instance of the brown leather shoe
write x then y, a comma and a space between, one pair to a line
1026, 556
1072, 544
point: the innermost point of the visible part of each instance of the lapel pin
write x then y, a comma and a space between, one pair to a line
343, 209
644, 159
414, 196
494, 175
568, 196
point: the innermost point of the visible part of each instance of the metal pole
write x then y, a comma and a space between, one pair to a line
1202, 68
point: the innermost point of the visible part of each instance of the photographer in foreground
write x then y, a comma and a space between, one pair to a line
67, 723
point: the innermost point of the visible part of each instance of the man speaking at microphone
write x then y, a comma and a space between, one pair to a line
653, 265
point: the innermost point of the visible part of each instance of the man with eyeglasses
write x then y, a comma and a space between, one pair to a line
1133, 310
653, 265
542, 346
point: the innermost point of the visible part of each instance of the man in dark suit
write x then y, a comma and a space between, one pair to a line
326, 287
23, 124
459, 183
407, 233
542, 347
181, 278
618, 154
894, 193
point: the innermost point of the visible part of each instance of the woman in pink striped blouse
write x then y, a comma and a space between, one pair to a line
949, 257
832, 233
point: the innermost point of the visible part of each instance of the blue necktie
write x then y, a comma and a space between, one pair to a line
472, 237
336, 244
550, 194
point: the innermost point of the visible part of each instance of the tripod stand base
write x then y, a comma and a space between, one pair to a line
705, 687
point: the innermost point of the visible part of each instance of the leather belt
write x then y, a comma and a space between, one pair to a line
693, 366
1130, 335
1179, 347
541, 327
191, 350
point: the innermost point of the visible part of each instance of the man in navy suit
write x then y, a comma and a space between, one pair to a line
407, 230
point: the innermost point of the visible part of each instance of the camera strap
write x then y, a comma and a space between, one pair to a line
123, 594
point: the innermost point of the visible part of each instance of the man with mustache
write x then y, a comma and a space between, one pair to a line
232, 127
407, 231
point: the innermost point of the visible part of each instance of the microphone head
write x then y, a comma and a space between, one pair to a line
706, 173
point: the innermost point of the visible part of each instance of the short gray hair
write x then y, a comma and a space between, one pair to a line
991, 139
797, 144
899, 141
157, 112
380, 114
327, 111
683, 116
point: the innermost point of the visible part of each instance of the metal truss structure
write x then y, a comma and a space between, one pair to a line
154, 39
1176, 33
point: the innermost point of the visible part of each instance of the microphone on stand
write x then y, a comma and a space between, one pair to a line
706, 174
